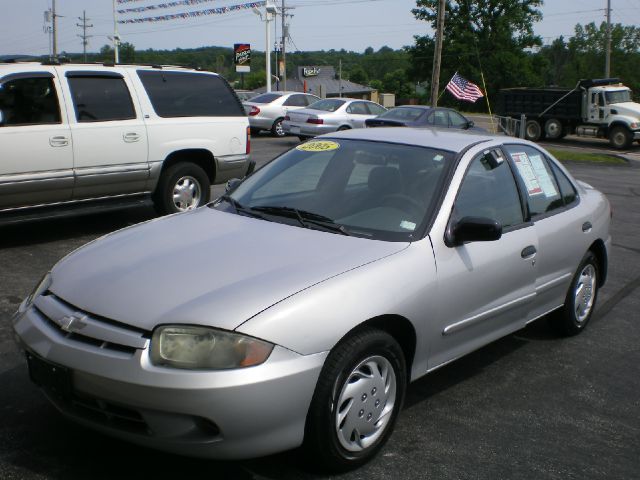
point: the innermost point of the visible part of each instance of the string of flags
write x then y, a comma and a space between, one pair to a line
182, 15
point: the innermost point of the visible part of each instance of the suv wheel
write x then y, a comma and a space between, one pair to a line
182, 187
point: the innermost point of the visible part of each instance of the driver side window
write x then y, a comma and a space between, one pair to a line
489, 190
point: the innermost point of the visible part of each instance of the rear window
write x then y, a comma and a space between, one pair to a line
403, 113
266, 98
329, 105
189, 94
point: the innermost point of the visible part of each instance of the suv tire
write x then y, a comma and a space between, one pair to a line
183, 186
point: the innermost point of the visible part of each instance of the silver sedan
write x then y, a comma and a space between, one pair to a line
330, 115
266, 111
384, 254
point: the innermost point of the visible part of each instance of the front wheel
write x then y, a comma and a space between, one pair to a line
183, 186
356, 402
620, 137
580, 301
276, 128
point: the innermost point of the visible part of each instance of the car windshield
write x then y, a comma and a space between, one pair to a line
377, 190
619, 96
328, 105
266, 98
403, 113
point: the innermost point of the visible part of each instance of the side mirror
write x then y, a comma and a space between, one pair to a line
1, 118
472, 229
470, 124
232, 185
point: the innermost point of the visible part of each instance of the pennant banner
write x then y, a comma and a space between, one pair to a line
161, 6
195, 13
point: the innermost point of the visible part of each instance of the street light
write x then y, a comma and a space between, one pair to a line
270, 11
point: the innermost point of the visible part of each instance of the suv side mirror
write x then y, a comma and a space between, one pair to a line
472, 229
232, 185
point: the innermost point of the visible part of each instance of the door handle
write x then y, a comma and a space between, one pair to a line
58, 141
131, 137
529, 251
586, 227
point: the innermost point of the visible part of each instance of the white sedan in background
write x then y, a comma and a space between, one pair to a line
330, 115
267, 111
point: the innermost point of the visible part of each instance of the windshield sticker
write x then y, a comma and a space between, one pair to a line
544, 179
407, 225
318, 146
526, 173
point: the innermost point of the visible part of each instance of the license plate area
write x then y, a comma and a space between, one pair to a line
54, 379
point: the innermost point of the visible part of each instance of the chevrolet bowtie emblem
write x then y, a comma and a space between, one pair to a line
72, 323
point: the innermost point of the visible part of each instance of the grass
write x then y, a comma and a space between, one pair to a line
567, 156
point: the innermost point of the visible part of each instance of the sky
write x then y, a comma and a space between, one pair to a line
315, 24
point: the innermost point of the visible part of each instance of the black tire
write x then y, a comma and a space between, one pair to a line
553, 129
325, 438
276, 128
254, 131
181, 179
573, 317
533, 130
302, 138
620, 137
343, 128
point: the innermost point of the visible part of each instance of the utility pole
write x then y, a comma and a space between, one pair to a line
340, 77
607, 61
116, 37
283, 74
437, 55
84, 35
54, 22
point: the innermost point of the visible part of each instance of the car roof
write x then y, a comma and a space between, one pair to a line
444, 139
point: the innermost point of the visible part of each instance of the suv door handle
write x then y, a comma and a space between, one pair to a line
130, 137
59, 141
529, 251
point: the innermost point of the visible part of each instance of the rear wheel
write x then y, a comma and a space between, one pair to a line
276, 128
356, 402
343, 128
553, 129
183, 186
581, 298
533, 130
620, 137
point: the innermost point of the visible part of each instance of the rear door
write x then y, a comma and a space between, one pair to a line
36, 159
357, 113
109, 136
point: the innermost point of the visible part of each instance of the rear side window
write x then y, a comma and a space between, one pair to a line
29, 101
100, 99
567, 189
266, 98
543, 193
296, 101
376, 109
187, 94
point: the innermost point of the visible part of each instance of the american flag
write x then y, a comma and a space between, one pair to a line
463, 89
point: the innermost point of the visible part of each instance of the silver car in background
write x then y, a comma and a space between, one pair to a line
384, 254
266, 111
330, 115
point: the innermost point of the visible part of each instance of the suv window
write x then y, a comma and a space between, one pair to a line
489, 191
100, 99
29, 101
189, 94
543, 193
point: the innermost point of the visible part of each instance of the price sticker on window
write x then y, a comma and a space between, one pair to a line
318, 146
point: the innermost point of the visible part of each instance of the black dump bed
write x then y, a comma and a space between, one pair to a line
512, 102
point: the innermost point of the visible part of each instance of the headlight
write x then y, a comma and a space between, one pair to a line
42, 286
205, 348
634, 125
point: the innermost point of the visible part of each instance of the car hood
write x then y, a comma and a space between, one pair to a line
204, 267
630, 109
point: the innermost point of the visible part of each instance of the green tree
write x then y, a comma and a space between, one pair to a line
358, 75
397, 82
496, 35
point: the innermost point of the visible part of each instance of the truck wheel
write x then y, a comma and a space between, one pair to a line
620, 137
553, 129
533, 131
183, 186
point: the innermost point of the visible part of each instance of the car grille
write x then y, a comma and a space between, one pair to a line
83, 327
107, 414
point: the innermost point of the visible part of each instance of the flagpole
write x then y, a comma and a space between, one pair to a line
484, 85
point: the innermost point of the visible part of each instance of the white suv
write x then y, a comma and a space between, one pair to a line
87, 135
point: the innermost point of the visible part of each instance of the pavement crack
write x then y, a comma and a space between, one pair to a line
623, 293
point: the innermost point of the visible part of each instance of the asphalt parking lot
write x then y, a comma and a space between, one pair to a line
529, 406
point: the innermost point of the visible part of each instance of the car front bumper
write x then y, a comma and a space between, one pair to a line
230, 414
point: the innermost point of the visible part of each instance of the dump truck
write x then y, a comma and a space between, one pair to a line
597, 108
